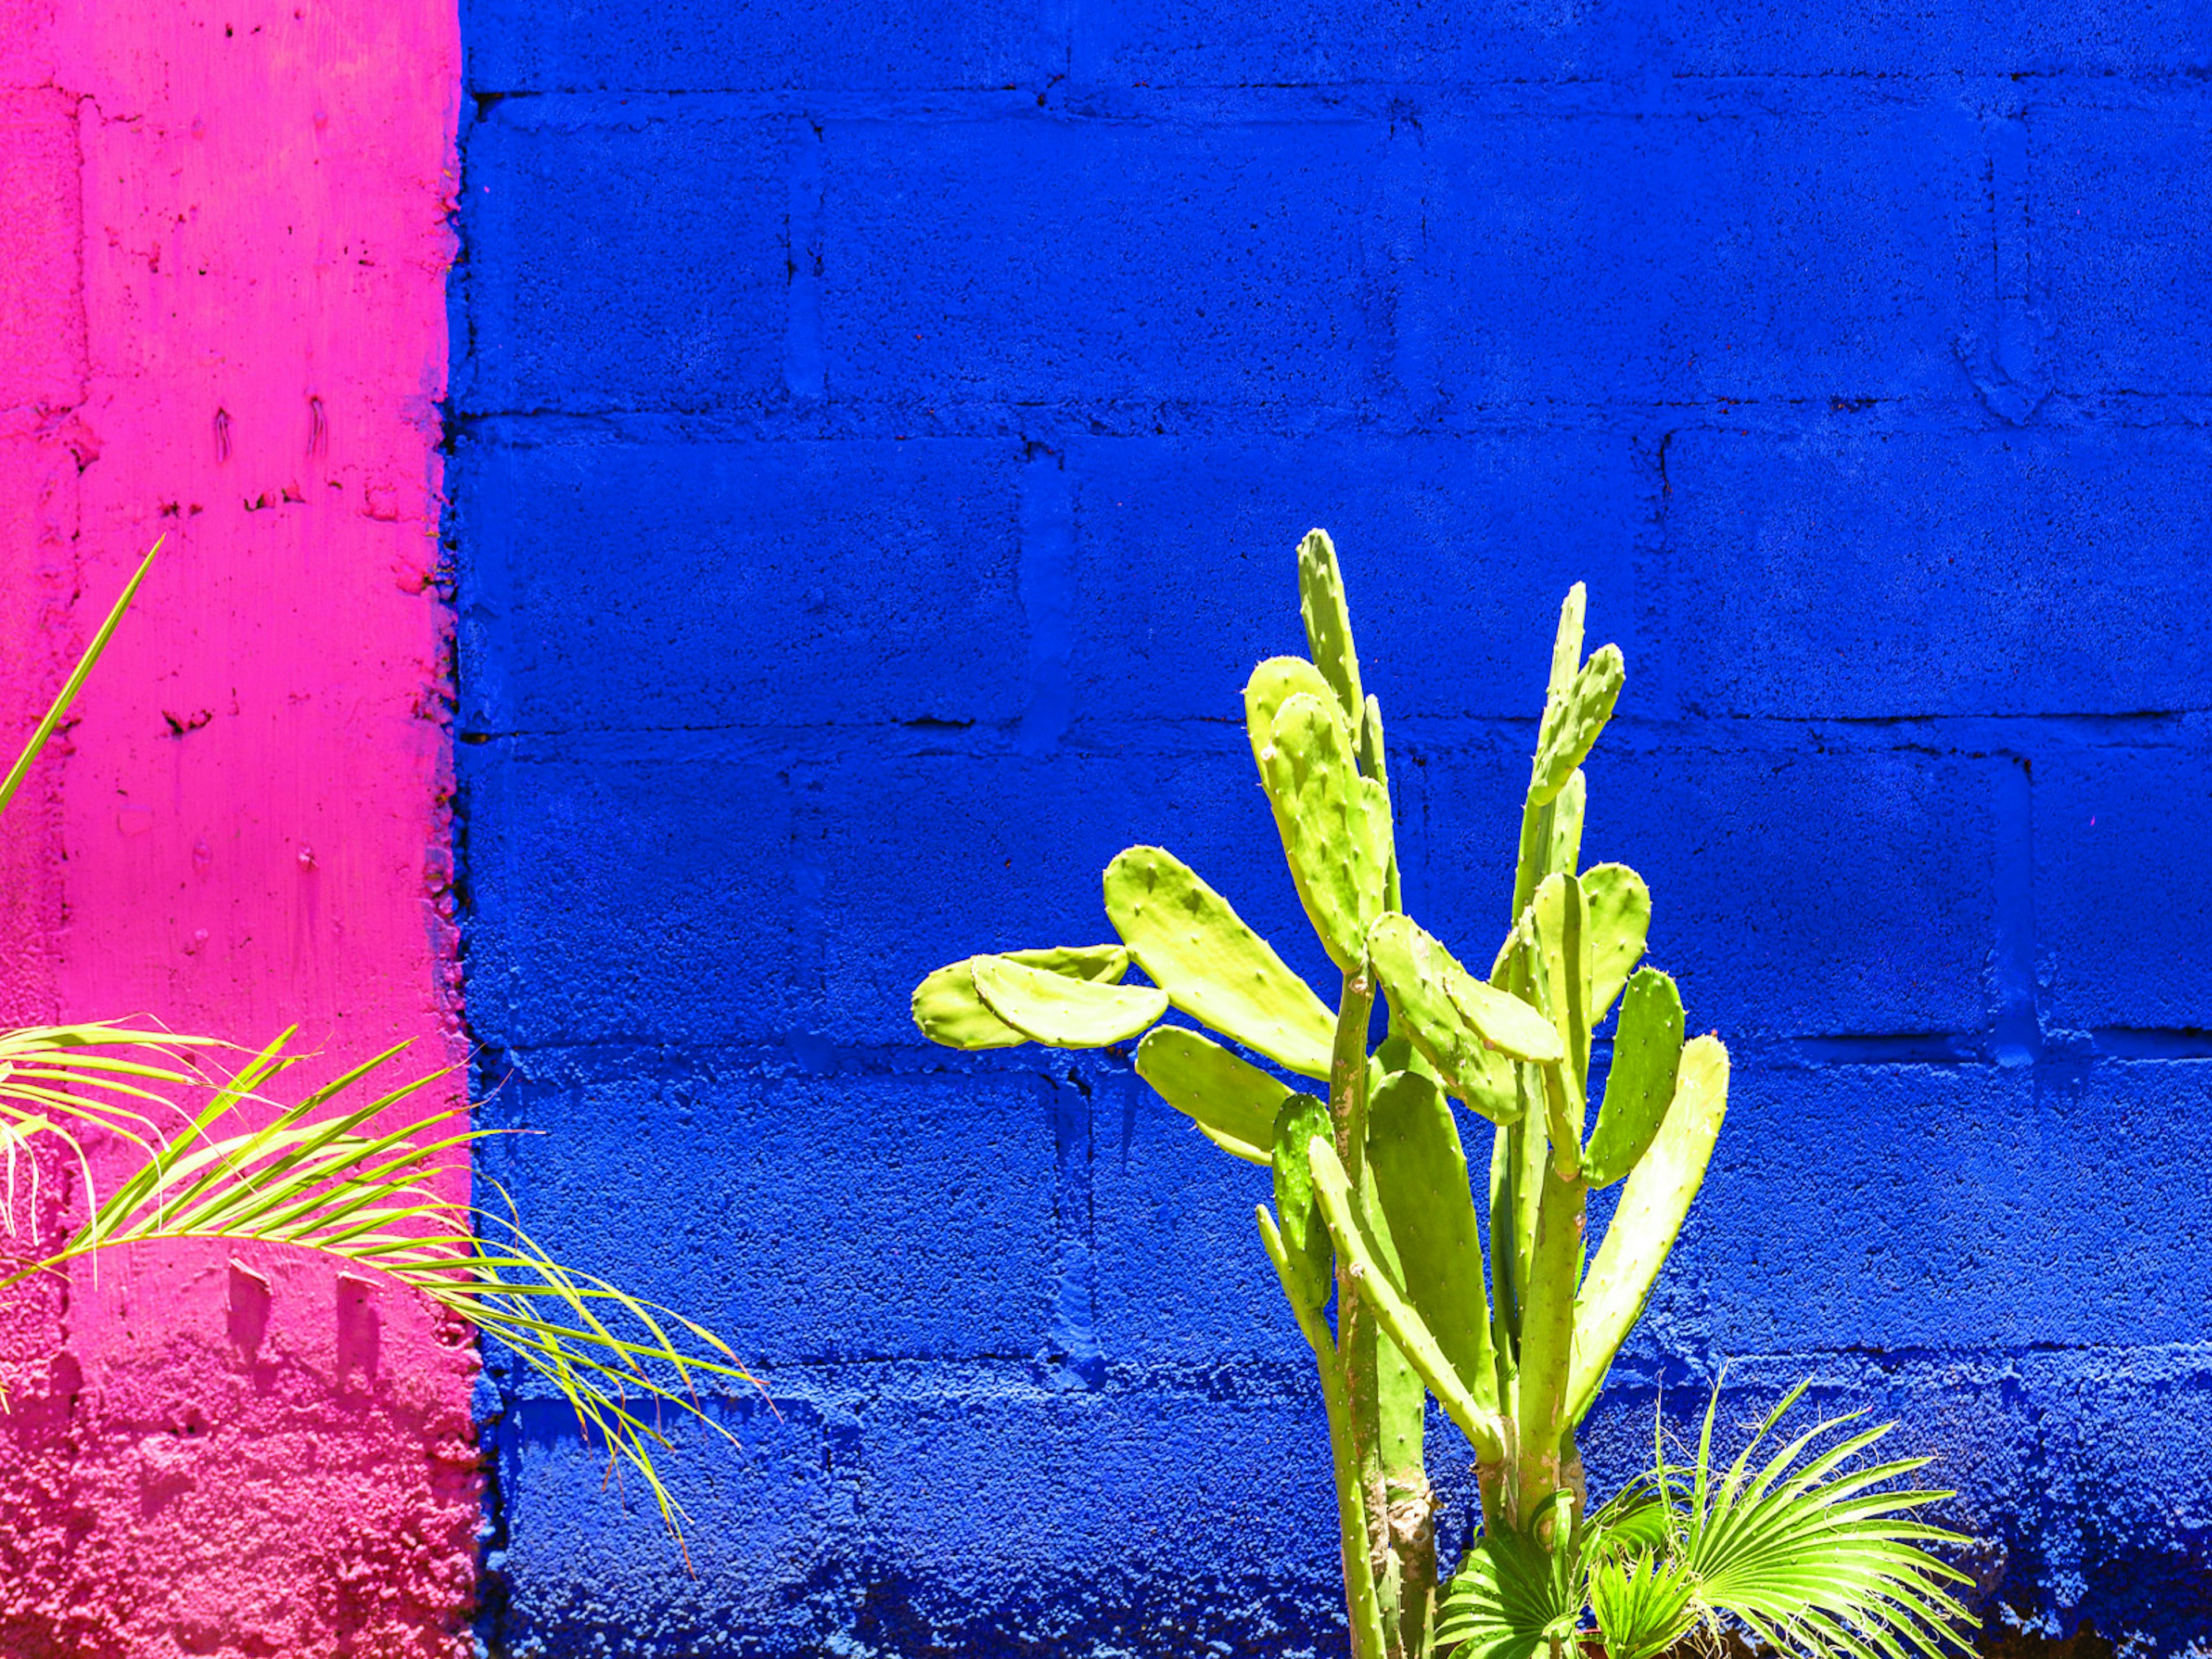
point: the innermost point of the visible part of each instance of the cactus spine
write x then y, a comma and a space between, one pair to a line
1373, 1197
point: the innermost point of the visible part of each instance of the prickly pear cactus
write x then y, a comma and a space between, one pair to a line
1374, 1201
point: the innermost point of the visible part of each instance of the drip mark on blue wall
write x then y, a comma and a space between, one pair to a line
2016, 1031
1047, 582
1072, 1354
802, 358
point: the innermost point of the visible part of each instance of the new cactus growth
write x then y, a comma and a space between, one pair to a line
1375, 1203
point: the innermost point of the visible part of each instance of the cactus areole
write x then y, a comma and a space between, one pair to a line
1373, 1199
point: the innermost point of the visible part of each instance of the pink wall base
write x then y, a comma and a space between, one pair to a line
222, 316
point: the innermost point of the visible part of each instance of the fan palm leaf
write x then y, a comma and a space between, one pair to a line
1510, 1599
1645, 1602
1814, 1552
1817, 1552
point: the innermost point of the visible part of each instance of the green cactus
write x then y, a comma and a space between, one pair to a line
1647, 1053
1335, 824
1371, 1182
1212, 966
1235, 1104
1302, 1120
950, 1010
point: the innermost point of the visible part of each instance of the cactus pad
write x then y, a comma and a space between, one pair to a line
1232, 1102
1308, 1260
1555, 929
1272, 685
1335, 824
1353, 1234
1504, 1021
1616, 918
1567, 644
1648, 1218
1062, 1012
1572, 723
1412, 968
1423, 1198
1646, 1052
1329, 622
1455, 1020
1214, 967
949, 1011
1567, 825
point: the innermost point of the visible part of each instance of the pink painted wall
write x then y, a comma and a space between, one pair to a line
223, 260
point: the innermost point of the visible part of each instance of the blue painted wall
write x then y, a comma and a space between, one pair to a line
879, 438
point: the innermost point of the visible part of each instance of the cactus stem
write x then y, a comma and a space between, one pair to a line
1505, 1158
1404, 1571
1347, 1070
1547, 1342
1576, 1017
1560, 1102
1350, 1508
1535, 854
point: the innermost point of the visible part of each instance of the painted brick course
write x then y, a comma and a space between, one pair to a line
732, 531
876, 468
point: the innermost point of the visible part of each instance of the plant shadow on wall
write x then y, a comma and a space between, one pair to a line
1806, 1540
347, 1172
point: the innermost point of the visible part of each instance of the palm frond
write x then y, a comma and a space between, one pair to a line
75, 683
38, 1066
319, 1176
1817, 1552
57, 1081
1635, 1519
1643, 1602
1510, 1599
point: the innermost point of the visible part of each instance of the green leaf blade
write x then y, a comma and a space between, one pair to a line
75, 683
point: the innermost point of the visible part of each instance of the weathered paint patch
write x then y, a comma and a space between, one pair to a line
221, 319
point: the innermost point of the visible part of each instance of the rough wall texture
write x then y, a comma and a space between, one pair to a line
222, 251
880, 439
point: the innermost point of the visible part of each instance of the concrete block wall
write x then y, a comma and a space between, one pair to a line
876, 445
